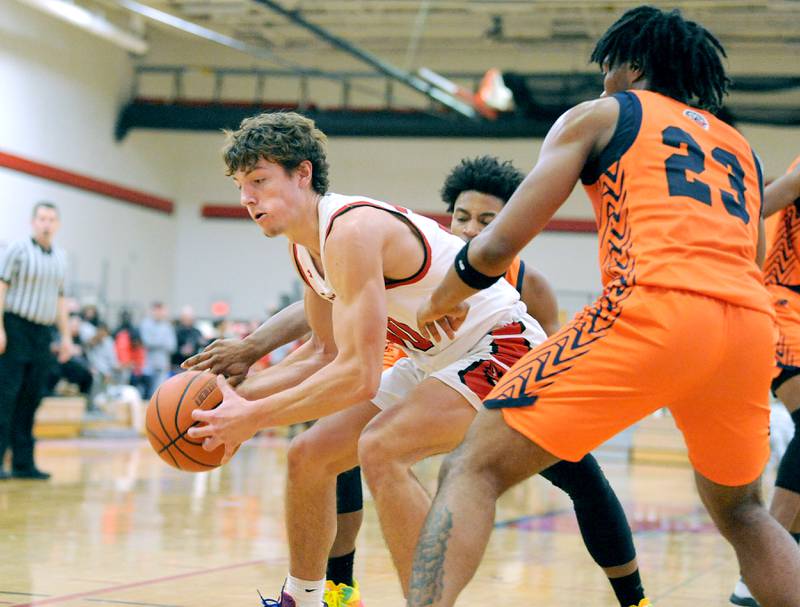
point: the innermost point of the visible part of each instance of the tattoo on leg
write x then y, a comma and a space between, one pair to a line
428, 572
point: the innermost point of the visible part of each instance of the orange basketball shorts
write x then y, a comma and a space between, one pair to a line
638, 349
787, 316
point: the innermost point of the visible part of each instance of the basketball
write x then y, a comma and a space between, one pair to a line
169, 416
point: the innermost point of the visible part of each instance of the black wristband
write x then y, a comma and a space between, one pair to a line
469, 275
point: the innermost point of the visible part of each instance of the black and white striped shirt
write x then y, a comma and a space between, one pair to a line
35, 278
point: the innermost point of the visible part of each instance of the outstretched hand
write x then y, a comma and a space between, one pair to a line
230, 424
229, 357
429, 321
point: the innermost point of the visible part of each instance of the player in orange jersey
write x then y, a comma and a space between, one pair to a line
782, 275
684, 320
475, 191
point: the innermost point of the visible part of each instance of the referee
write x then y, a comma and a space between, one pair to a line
31, 300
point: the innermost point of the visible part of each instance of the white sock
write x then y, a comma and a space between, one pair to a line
741, 590
304, 592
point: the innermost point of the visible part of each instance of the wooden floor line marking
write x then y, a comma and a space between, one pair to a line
88, 593
129, 603
531, 517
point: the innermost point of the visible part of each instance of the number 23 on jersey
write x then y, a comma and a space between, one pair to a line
681, 168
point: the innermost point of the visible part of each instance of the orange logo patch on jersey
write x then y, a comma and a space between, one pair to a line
697, 118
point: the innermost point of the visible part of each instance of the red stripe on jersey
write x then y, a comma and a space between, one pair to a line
299, 267
400, 212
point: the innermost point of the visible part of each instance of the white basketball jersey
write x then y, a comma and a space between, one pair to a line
496, 306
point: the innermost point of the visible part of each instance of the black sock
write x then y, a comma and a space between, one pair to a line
628, 589
796, 537
340, 569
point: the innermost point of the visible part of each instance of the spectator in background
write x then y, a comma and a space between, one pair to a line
32, 276
87, 325
102, 358
90, 315
189, 338
158, 337
75, 370
131, 354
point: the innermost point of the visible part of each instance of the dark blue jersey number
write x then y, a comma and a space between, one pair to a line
734, 205
694, 161
678, 164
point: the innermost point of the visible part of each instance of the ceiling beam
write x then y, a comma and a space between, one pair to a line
219, 38
388, 69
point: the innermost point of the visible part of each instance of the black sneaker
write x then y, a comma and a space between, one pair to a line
32, 473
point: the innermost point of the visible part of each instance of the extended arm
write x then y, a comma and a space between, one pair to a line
359, 329
303, 362
761, 245
573, 139
782, 192
234, 357
358, 323
280, 329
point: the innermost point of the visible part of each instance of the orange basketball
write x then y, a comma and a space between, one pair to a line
169, 416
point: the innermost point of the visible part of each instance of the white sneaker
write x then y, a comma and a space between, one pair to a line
741, 595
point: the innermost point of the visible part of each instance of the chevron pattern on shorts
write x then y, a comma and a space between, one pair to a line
540, 367
782, 262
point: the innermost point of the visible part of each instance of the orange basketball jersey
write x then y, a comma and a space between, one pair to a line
678, 195
782, 266
516, 274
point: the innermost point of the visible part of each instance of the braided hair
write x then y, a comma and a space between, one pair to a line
679, 58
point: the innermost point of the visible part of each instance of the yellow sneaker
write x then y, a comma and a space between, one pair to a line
645, 602
342, 595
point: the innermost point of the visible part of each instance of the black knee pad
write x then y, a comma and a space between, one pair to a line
601, 519
349, 497
577, 479
789, 469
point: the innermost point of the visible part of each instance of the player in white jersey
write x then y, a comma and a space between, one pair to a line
439, 246
368, 265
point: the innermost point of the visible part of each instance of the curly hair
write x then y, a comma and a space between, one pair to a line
285, 138
485, 174
679, 58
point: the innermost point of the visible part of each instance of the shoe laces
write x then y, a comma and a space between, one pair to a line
274, 602
334, 596
268, 602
